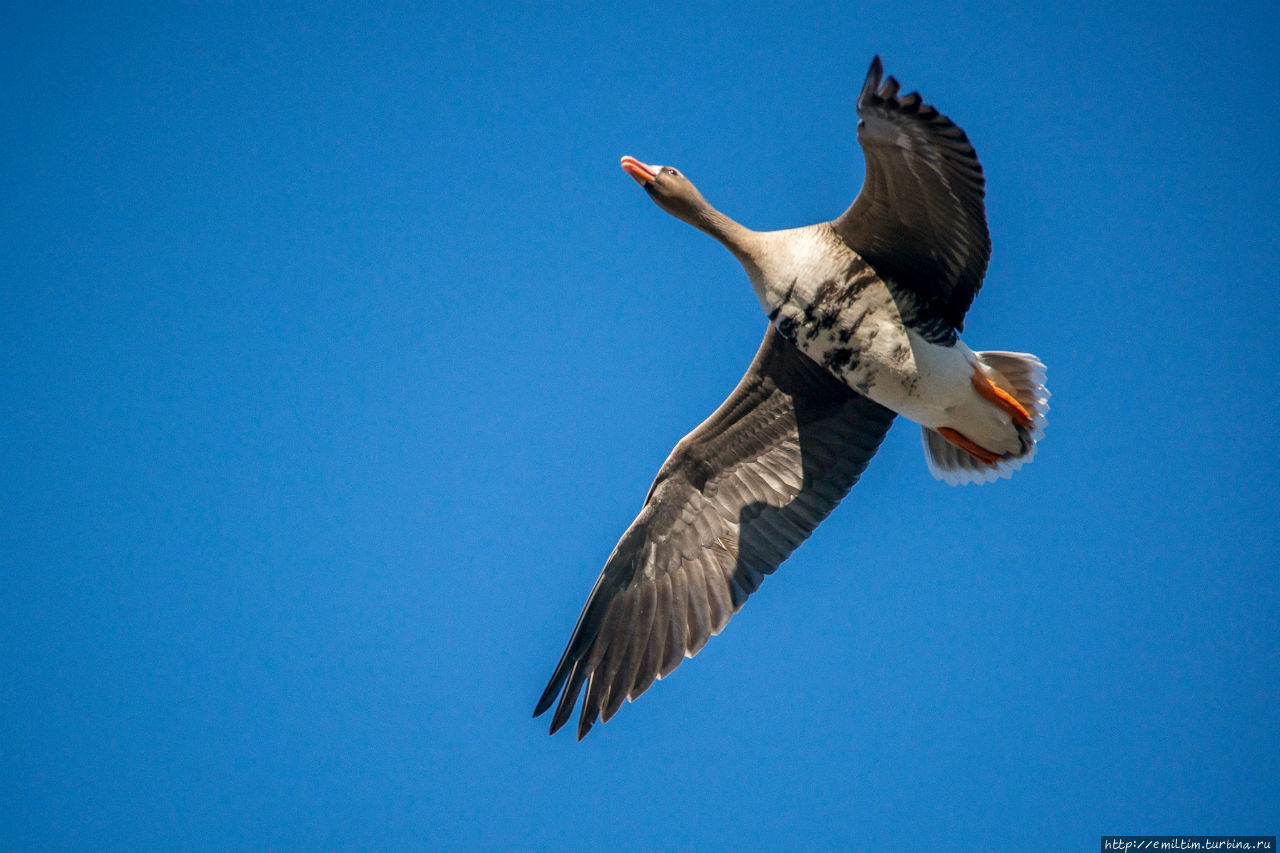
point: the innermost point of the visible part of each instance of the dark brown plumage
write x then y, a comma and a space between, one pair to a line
726, 509
919, 219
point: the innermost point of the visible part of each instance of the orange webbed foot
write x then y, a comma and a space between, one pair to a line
1001, 398
977, 451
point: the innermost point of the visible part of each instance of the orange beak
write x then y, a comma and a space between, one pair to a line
643, 174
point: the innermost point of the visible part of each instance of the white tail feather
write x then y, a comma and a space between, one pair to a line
1020, 374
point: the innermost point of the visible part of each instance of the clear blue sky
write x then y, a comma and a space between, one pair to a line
337, 353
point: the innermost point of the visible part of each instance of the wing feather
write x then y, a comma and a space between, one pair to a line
920, 219
678, 639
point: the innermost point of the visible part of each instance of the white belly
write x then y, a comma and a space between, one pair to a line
897, 368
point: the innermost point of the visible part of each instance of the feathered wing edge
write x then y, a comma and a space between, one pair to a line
920, 218
734, 499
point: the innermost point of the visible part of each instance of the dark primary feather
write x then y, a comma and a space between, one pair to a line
920, 218
732, 501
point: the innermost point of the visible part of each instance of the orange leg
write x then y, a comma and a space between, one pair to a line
1001, 398
975, 450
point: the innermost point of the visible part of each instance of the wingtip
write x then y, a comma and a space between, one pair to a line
874, 74
584, 726
547, 698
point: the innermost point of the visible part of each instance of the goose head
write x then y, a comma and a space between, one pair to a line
671, 190
677, 195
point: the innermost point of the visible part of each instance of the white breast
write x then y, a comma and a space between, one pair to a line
829, 302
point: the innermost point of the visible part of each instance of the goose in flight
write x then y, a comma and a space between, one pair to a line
864, 319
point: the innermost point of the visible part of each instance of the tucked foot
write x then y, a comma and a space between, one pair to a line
1002, 399
975, 450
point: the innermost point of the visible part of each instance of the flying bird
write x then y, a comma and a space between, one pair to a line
864, 315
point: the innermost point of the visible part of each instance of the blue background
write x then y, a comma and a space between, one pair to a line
337, 352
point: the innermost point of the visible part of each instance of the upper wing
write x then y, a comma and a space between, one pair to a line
919, 219
732, 501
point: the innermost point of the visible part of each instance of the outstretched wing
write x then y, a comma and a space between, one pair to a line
732, 501
920, 218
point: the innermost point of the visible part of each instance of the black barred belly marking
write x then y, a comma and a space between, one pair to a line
850, 324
